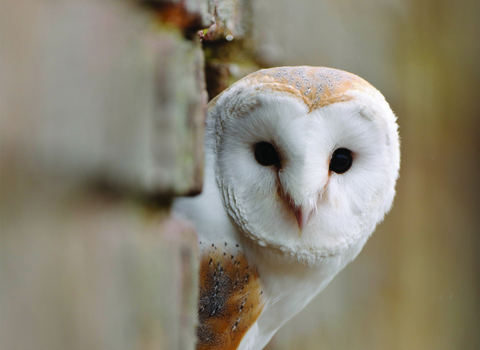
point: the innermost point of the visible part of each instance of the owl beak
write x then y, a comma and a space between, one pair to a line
302, 217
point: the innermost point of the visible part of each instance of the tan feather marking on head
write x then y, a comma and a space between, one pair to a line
320, 85
317, 86
230, 299
285, 89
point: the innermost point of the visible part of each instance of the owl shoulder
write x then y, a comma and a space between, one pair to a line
231, 298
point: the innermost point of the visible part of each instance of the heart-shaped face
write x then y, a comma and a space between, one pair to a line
306, 158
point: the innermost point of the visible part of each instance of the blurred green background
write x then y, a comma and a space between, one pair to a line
416, 283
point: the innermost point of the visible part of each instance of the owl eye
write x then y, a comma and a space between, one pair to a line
341, 160
265, 154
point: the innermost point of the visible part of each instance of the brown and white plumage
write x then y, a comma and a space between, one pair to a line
230, 297
300, 166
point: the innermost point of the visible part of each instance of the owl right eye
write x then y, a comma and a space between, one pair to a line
265, 154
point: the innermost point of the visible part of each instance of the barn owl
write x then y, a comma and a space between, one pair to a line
300, 166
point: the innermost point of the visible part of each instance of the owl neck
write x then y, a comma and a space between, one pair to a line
301, 260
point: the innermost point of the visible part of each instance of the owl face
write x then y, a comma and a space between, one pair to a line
306, 179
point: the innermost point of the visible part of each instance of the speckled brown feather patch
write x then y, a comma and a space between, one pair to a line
230, 299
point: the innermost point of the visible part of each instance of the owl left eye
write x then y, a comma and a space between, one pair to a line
341, 160
266, 154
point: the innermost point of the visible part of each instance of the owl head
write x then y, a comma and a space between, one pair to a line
306, 159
